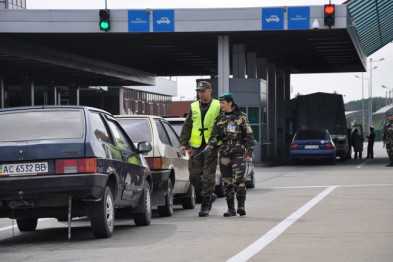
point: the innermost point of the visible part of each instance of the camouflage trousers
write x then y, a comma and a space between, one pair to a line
233, 171
202, 170
389, 149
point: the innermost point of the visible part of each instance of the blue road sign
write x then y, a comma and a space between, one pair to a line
138, 21
273, 19
163, 20
298, 18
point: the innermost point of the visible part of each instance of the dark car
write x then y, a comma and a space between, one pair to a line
313, 144
50, 156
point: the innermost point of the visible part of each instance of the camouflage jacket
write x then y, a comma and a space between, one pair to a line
235, 133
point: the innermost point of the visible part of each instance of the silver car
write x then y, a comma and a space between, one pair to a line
166, 158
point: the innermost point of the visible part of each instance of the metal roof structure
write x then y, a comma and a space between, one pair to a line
384, 110
47, 45
373, 21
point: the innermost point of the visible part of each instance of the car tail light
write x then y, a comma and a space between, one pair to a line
329, 146
155, 162
294, 146
72, 166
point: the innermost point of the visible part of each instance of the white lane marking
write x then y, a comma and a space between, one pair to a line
16, 227
368, 185
294, 187
362, 164
325, 186
276, 231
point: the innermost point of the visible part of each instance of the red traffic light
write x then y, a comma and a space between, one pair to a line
329, 15
330, 9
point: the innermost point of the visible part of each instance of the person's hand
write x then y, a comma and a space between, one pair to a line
207, 150
185, 150
248, 157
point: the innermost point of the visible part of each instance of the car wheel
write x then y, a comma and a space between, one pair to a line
190, 200
167, 209
144, 218
27, 224
103, 215
251, 183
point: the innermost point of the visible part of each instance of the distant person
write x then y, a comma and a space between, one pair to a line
370, 145
356, 143
349, 153
388, 138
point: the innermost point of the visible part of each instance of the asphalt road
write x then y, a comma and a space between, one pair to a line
296, 213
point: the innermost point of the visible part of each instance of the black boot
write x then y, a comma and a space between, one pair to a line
213, 198
231, 208
241, 210
205, 207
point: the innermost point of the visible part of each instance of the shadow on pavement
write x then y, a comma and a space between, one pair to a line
82, 237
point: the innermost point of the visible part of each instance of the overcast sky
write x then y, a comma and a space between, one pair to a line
345, 84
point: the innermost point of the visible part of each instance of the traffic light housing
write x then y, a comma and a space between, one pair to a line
104, 23
329, 14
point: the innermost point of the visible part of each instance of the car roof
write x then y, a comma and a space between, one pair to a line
137, 116
27, 108
178, 119
312, 129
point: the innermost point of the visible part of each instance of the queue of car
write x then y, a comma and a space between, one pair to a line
66, 162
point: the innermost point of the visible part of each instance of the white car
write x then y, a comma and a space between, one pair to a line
165, 158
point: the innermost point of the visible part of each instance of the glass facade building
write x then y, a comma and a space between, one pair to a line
12, 4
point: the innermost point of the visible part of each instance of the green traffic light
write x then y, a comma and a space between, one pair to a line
104, 25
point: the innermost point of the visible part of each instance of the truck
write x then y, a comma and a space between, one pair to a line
322, 111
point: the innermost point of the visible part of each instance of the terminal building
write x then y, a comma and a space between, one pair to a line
250, 52
12, 4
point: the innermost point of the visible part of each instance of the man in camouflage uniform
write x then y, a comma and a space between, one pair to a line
234, 131
388, 138
194, 138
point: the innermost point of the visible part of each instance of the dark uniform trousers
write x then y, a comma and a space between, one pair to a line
202, 169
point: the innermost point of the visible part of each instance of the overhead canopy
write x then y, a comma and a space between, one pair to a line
384, 110
306, 51
67, 45
373, 21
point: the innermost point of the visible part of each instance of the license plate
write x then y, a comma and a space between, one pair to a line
312, 147
24, 169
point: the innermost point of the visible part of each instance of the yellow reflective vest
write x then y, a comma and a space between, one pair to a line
199, 129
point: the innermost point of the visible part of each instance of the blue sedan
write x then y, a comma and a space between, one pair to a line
312, 144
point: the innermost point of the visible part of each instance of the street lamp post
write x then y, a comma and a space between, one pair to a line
363, 120
388, 94
370, 90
